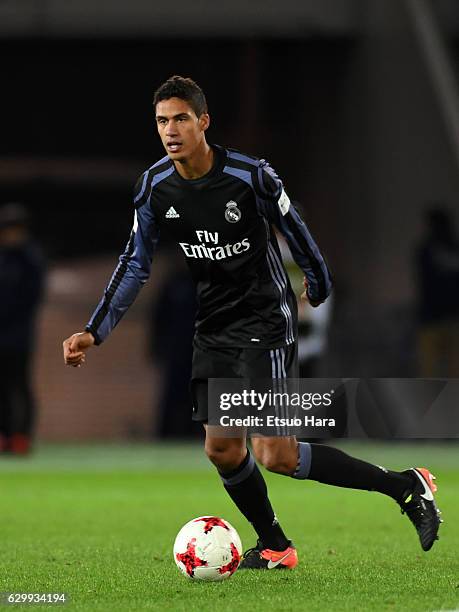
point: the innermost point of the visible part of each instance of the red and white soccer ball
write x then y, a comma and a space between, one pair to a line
207, 548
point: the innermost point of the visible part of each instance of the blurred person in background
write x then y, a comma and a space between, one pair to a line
170, 346
437, 269
313, 323
21, 282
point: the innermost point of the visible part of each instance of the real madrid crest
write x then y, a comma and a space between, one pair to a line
232, 212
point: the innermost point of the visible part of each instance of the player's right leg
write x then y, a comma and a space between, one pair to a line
240, 474
246, 486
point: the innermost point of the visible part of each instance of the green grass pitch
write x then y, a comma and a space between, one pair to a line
98, 523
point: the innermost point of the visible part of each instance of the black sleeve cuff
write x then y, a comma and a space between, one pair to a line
97, 340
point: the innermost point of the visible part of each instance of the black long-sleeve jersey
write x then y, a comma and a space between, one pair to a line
223, 223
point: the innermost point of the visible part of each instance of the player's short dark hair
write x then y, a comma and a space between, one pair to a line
185, 89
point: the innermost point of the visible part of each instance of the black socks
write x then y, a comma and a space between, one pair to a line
247, 488
334, 467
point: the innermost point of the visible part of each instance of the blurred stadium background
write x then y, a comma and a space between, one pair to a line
354, 102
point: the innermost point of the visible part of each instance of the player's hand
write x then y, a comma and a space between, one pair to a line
75, 347
305, 297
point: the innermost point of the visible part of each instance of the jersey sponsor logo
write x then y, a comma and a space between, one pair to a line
206, 236
172, 213
284, 202
203, 251
232, 212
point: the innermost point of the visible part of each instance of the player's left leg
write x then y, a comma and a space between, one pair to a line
329, 465
412, 489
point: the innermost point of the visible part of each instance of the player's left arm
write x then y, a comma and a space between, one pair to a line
282, 213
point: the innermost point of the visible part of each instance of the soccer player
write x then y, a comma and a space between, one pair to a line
221, 206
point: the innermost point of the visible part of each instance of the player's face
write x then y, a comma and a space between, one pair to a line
181, 131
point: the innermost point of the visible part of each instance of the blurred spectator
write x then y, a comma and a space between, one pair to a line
21, 285
313, 324
171, 345
437, 266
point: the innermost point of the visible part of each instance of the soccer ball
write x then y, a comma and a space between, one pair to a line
207, 548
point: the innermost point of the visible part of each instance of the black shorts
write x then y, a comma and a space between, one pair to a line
228, 362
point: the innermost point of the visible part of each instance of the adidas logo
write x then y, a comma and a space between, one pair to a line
172, 213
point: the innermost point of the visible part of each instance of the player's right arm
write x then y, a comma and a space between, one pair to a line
128, 278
